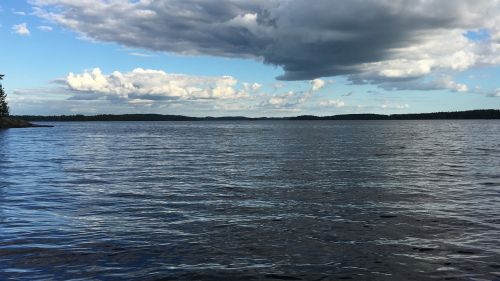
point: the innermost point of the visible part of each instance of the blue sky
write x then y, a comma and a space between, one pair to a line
63, 57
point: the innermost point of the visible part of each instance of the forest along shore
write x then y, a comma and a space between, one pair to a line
471, 114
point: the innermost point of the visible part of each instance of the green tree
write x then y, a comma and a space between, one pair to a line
4, 107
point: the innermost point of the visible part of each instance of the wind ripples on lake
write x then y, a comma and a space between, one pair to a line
290, 200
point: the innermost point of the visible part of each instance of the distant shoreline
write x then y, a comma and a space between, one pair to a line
471, 114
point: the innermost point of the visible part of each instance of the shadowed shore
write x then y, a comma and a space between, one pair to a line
8, 122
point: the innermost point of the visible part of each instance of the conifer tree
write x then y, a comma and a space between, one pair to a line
4, 107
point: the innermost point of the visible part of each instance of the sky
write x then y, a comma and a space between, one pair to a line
249, 58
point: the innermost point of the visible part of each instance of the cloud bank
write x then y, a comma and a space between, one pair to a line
369, 40
148, 84
157, 88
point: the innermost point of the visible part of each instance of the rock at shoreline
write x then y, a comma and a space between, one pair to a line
6, 123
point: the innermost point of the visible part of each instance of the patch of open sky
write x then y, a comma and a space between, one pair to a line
483, 77
478, 35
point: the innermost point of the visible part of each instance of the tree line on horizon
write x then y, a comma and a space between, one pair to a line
471, 114
4, 107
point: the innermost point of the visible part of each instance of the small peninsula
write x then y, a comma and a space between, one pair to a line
6, 121
10, 123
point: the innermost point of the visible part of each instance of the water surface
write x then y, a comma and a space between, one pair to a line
261, 200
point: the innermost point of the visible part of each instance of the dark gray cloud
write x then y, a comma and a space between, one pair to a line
308, 39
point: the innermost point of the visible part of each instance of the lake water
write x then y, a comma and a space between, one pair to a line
261, 200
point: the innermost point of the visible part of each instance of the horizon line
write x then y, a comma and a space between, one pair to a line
468, 114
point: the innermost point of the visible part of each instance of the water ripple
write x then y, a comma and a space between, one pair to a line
380, 200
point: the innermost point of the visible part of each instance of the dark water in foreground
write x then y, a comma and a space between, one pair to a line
285, 200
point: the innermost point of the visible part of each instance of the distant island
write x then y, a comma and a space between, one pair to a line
472, 114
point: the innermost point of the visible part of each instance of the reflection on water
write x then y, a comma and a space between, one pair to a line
301, 200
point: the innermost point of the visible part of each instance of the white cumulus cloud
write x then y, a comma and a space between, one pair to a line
390, 105
335, 103
497, 92
21, 29
149, 84
317, 84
